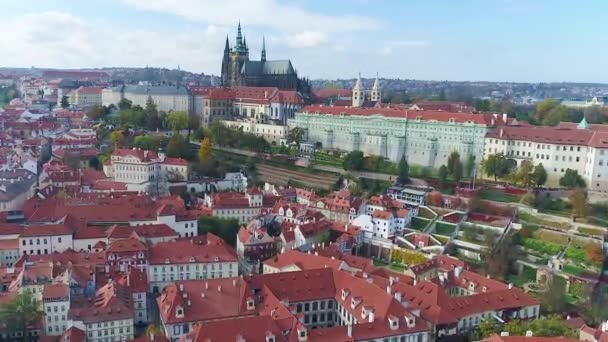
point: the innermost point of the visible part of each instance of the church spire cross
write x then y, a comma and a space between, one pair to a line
239, 36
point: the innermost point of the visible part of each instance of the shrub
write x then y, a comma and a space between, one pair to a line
541, 246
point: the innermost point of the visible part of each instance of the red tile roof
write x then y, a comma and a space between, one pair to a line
303, 261
46, 230
10, 229
56, 291
155, 231
126, 245
497, 338
112, 302
191, 250
251, 329
543, 134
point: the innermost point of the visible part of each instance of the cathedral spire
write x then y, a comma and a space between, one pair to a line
245, 42
227, 47
263, 49
239, 36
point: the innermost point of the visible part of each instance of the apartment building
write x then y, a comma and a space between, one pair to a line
45, 239
166, 98
237, 205
55, 304
383, 224
137, 167
85, 96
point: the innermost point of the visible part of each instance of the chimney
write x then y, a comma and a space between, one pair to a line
181, 287
504, 117
128, 279
504, 333
529, 333
349, 330
389, 290
510, 285
398, 296
219, 288
502, 132
233, 282
206, 285
152, 336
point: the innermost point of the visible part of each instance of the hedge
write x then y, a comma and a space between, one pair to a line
541, 246
409, 258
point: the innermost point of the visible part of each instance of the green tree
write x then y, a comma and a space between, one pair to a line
457, 172
125, 104
469, 166
295, 135
97, 112
404, 171
353, 161
178, 147
453, 158
147, 142
550, 112
443, 173
94, 163
117, 138
226, 229
487, 327
21, 314
539, 176
178, 121
572, 179
496, 165
65, 102
554, 300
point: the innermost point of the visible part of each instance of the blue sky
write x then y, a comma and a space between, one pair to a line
494, 40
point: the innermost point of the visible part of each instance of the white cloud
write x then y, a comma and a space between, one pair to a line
306, 39
62, 40
270, 13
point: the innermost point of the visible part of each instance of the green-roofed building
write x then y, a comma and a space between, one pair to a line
238, 70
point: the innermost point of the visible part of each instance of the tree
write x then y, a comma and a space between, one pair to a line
596, 114
404, 170
578, 200
469, 166
457, 172
443, 173
152, 120
204, 152
496, 165
154, 330
226, 229
65, 102
117, 138
353, 161
21, 314
97, 112
178, 121
572, 179
539, 175
94, 163
125, 104
295, 135
178, 147
523, 174
487, 327
553, 300
158, 186
452, 159
147, 142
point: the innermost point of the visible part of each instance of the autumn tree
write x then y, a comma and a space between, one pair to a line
178, 147
453, 158
523, 174
295, 135
97, 112
443, 173
578, 200
550, 112
117, 138
204, 153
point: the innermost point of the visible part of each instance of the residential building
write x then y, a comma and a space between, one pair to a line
9, 252
85, 97
109, 317
127, 252
581, 147
237, 205
45, 239
271, 132
383, 224
16, 187
254, 244
408, 196
56, 304
167, 98
199, 258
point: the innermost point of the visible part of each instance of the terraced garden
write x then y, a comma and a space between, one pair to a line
277, 175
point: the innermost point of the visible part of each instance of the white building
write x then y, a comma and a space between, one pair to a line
166, 98
383, 224
582, 147
139, 167
271, 132
85, 96
56, 304
45, 239
188, 260
241, 206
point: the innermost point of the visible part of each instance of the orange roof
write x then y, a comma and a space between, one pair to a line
497, 338
46, 230
56, 291
126, 245
191, 250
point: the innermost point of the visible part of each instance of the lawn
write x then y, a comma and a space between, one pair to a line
397, 267
549, 236
498, 196
419, 223
444, 240
445, 228
541, 246
592, 231
378, 262
529, 218
527, 275
426, 213
572, 269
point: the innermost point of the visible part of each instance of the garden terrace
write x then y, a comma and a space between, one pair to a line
477, 235
419, 223
488, 220
453, 217
427, 212
592, 231
445, 228
498, 196
528, 219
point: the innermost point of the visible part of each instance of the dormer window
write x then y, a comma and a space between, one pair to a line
250, 304
179, 313
345, 293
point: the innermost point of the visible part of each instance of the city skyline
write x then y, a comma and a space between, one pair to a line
498, 40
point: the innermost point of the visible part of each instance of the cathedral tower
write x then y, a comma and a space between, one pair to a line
376, 91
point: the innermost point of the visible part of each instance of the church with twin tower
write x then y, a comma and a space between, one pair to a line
239, 70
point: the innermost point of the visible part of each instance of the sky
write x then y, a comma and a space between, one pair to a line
456, 40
